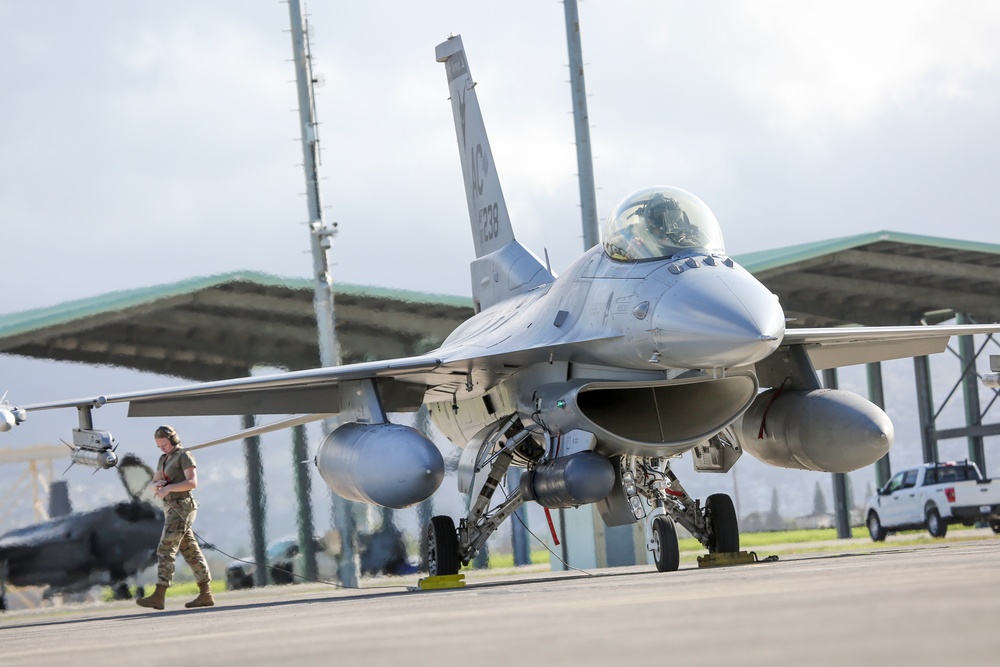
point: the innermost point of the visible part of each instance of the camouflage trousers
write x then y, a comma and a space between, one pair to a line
178, 535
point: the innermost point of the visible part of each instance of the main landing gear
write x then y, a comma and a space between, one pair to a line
642, 478
447, 548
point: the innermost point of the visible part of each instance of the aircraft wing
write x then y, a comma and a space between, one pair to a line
847, 346
404, 384
310, 391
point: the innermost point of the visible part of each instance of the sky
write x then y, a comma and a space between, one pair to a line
152, 142
147, 143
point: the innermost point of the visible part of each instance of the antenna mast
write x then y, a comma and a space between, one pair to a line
321, 238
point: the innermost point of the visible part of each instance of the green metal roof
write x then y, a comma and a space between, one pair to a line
762, 260
41, 318
221, 326
882, 278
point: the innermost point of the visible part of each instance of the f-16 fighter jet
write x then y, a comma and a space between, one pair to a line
652, 344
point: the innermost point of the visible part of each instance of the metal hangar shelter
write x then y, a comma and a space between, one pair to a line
887, 279
222, 326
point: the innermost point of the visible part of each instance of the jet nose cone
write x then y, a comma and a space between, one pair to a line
717, 319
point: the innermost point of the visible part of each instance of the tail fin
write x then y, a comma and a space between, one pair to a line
137, 478
497, 251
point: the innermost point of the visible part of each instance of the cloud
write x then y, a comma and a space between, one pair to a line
820, 69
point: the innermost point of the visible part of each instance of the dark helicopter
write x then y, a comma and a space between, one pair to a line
101, 547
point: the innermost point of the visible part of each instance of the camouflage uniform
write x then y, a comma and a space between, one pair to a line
180, 510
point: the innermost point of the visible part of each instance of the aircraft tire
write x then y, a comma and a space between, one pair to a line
725, 526
120, 591
666, 555
995, 525
442, 547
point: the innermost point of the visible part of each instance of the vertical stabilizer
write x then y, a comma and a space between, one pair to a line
503, 267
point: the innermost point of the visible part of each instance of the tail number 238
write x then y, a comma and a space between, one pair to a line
489, 222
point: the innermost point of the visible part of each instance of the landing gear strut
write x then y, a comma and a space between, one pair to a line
448, 549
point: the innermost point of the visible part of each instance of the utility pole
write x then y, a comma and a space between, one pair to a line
581, 122
321, 238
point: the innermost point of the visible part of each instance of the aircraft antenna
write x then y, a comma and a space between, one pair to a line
321, 237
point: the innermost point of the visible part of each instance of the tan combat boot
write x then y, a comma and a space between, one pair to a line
204, 598
154, 601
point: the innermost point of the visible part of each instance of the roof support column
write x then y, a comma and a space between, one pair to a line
883, 471
256, 501
925, 406
425, 510
303, 494
970, 391
840, 509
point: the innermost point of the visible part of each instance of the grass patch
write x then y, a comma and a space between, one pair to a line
751, 540
538, 556
691, 548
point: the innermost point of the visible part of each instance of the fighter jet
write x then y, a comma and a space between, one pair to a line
102, 547
652, 344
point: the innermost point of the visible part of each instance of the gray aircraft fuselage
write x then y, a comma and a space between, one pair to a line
74, 552
645, 326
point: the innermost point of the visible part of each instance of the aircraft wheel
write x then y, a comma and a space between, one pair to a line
995, 525
120, 591
666, 553
442, 547
935, 526
282, 574
140, 592
725, 526
875, 528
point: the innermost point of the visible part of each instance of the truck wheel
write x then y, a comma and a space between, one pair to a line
935, 525
995, 525
875, 528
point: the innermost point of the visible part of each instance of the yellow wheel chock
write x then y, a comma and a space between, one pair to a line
441, 582
738, 558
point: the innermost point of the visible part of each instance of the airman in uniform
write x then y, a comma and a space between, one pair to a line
176, 476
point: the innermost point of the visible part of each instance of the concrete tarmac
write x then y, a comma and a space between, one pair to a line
922, 605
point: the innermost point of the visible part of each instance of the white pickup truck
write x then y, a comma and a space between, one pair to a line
932, 496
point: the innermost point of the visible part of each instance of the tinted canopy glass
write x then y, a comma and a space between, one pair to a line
661, 222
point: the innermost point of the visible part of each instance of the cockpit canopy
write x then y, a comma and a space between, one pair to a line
661, 222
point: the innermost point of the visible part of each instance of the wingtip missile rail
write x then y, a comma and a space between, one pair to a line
94, 449
10, 417
91, 448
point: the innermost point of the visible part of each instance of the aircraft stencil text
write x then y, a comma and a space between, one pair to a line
489, 222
